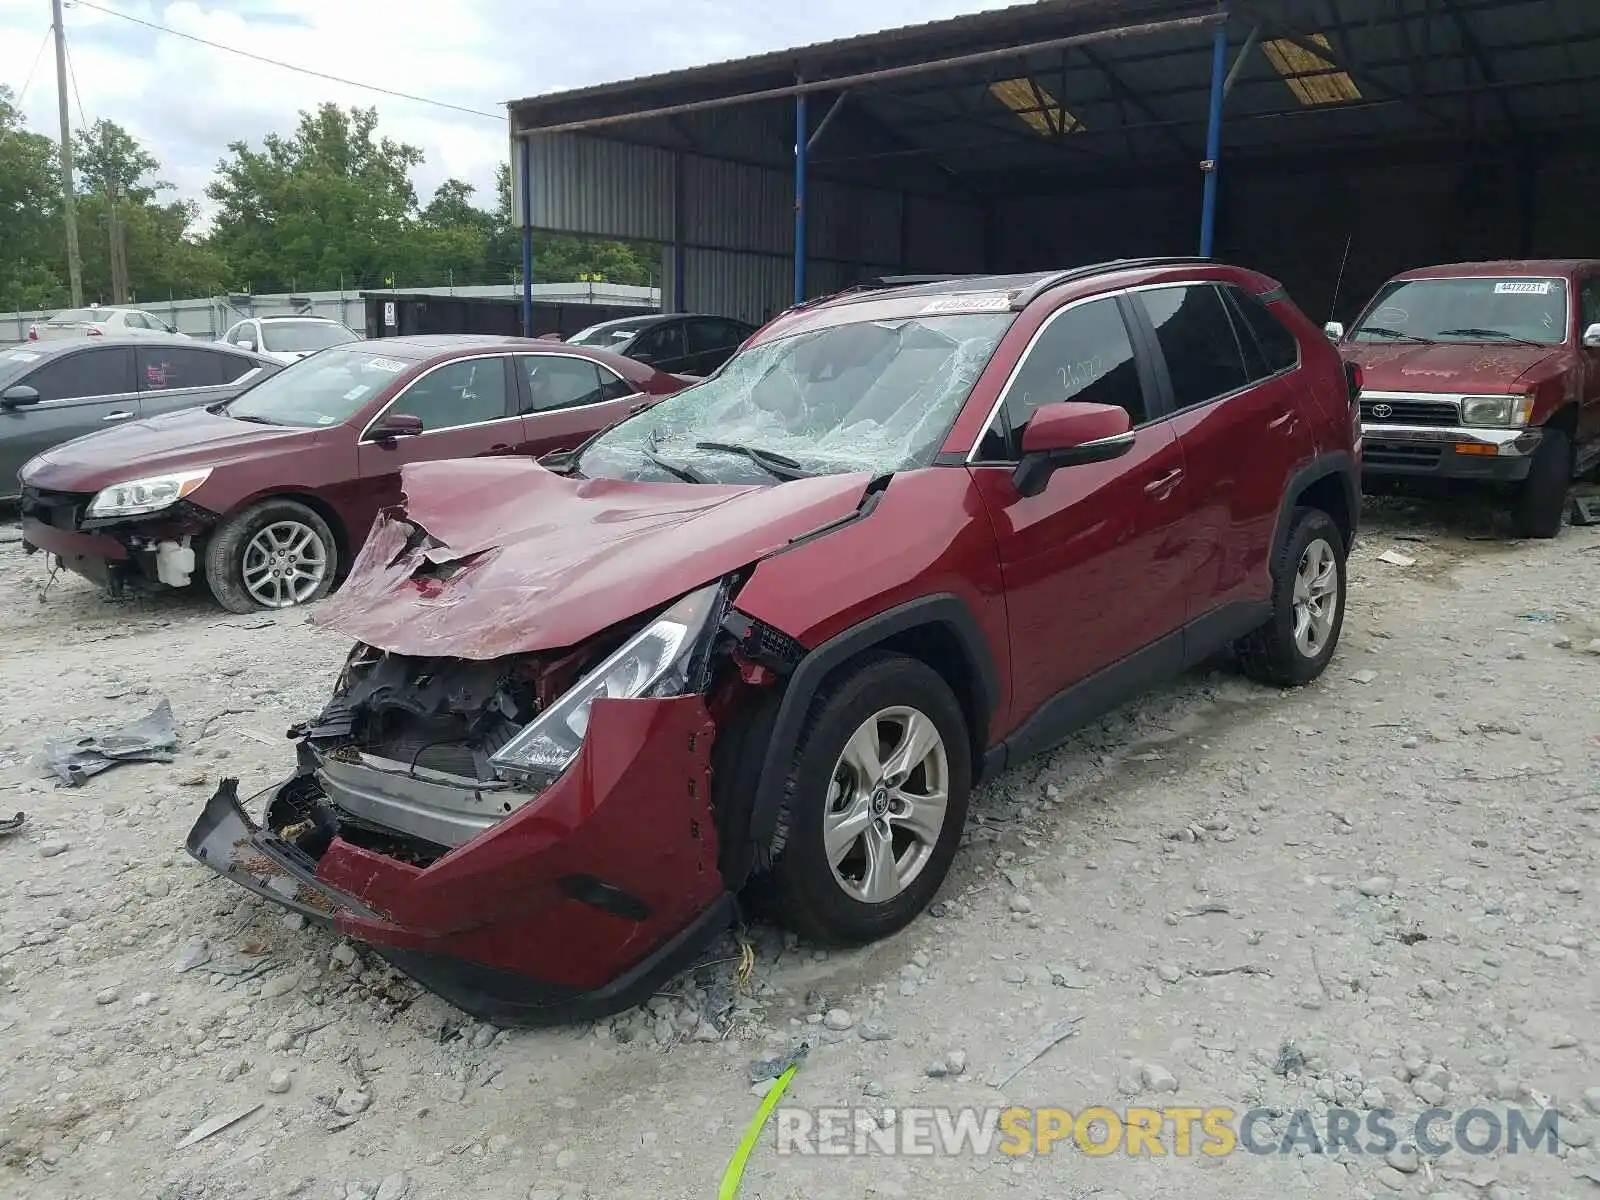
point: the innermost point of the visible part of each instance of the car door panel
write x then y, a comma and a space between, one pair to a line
560, 410
1092, 563
1243, 432
467, 391
64, 410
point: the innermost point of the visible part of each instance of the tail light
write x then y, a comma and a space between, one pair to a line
33, 333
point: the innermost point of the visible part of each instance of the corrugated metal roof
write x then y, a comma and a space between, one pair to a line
1477, 71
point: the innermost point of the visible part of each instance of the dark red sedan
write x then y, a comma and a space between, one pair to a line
270, 495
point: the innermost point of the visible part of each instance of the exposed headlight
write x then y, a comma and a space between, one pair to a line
1500, 411
656, 661
145, 495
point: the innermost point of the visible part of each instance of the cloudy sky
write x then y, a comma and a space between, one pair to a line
186, 102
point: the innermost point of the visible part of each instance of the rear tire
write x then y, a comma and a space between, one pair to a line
276, 554
1541, 500
891, 840
1308, 601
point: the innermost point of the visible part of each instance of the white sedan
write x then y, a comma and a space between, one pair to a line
96, 321
288, 338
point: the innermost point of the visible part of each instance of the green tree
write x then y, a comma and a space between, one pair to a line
106, 157
333, 204
32, 240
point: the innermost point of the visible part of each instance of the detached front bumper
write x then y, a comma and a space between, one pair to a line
577, 905
1490, 455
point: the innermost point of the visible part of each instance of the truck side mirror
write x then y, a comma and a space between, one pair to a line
1334, 330
1591, 337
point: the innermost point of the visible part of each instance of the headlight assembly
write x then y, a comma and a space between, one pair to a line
1501, 412
148, 495
656, 661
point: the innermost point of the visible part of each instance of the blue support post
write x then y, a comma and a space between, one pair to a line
800, 137
527, 242
1208, 207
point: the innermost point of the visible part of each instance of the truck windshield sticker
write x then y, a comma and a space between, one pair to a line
1523, 287
393, 366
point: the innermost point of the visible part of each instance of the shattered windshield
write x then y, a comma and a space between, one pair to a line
326, 389
1468, 310
875, 396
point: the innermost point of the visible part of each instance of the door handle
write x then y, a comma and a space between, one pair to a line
1281, 420
119, 415
1165, 484
499, 448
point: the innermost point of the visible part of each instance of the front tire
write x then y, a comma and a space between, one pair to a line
1308, 599
875, 803
1542, 497
276, 554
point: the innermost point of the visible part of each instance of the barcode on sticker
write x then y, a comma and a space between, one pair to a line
969, 302
1524, 287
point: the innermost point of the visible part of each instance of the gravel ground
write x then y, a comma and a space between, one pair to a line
1376, 892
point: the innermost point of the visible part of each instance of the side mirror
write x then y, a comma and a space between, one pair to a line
1069, 435
1591, 337
396, 425
19, 395
1334, 330
246, 343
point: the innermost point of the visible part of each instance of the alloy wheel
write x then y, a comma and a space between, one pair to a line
886, 804
284, 564
1316, 597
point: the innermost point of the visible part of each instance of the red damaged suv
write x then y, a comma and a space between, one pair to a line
765, 637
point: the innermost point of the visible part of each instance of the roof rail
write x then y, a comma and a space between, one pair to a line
1089, 270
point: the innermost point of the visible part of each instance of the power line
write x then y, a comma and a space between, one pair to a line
72, 74
273, 62
37, 55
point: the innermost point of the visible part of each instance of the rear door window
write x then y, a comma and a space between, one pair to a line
164, 368
84, 373
565, 381
1204, 357
1279, 348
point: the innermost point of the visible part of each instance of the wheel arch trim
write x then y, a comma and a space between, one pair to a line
941, 609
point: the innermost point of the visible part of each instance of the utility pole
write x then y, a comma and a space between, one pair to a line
68, 204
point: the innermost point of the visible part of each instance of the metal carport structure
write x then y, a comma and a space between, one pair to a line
1328, 142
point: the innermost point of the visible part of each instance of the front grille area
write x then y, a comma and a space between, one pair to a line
59, 510
1400, 454
1410, 412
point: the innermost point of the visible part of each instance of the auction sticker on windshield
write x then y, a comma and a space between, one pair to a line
391, 365
969, 302
1523, 287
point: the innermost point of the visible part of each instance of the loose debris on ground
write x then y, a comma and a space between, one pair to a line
1376, 893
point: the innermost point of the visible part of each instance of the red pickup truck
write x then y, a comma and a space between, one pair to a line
1483, 371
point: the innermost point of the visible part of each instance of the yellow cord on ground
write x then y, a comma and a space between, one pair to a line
747, 963
735, 1172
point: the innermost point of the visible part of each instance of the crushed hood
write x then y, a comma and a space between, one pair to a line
1462, 368
496, 556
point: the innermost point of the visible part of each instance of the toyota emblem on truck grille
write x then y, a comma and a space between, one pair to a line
1383, 411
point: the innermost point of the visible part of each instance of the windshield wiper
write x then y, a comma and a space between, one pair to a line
779, 466
677, 472
254, 420
1395, 333
1473, 332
